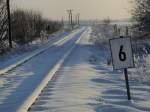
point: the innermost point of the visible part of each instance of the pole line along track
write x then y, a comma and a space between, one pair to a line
38, 52
25, 107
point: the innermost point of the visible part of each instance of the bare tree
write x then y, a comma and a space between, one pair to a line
107, 21
141, 14
27, 25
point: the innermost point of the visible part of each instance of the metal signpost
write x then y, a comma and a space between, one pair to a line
122, 57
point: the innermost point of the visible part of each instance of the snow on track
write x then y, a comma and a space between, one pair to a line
19, 60
19, 84
85, 83
71, 90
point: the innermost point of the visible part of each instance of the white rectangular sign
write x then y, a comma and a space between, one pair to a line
121, 51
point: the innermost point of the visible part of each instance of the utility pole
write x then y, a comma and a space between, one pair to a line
78, 18
9, 23
62, 21
70, 17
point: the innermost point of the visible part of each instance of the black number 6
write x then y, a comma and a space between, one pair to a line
122, 55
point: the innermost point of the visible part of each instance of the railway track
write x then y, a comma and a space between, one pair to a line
36, 53
17, 81
46, 92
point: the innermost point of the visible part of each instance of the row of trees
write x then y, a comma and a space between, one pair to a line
26, 26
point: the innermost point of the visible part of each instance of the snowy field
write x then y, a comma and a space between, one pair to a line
85, 83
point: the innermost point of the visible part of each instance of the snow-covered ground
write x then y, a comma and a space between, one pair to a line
85, 83
24, 51
17, 85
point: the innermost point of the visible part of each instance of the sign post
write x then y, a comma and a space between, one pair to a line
127, 83
122, 57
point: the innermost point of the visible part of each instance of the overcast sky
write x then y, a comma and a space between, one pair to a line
88, 9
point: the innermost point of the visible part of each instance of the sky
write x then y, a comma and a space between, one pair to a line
88, 9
